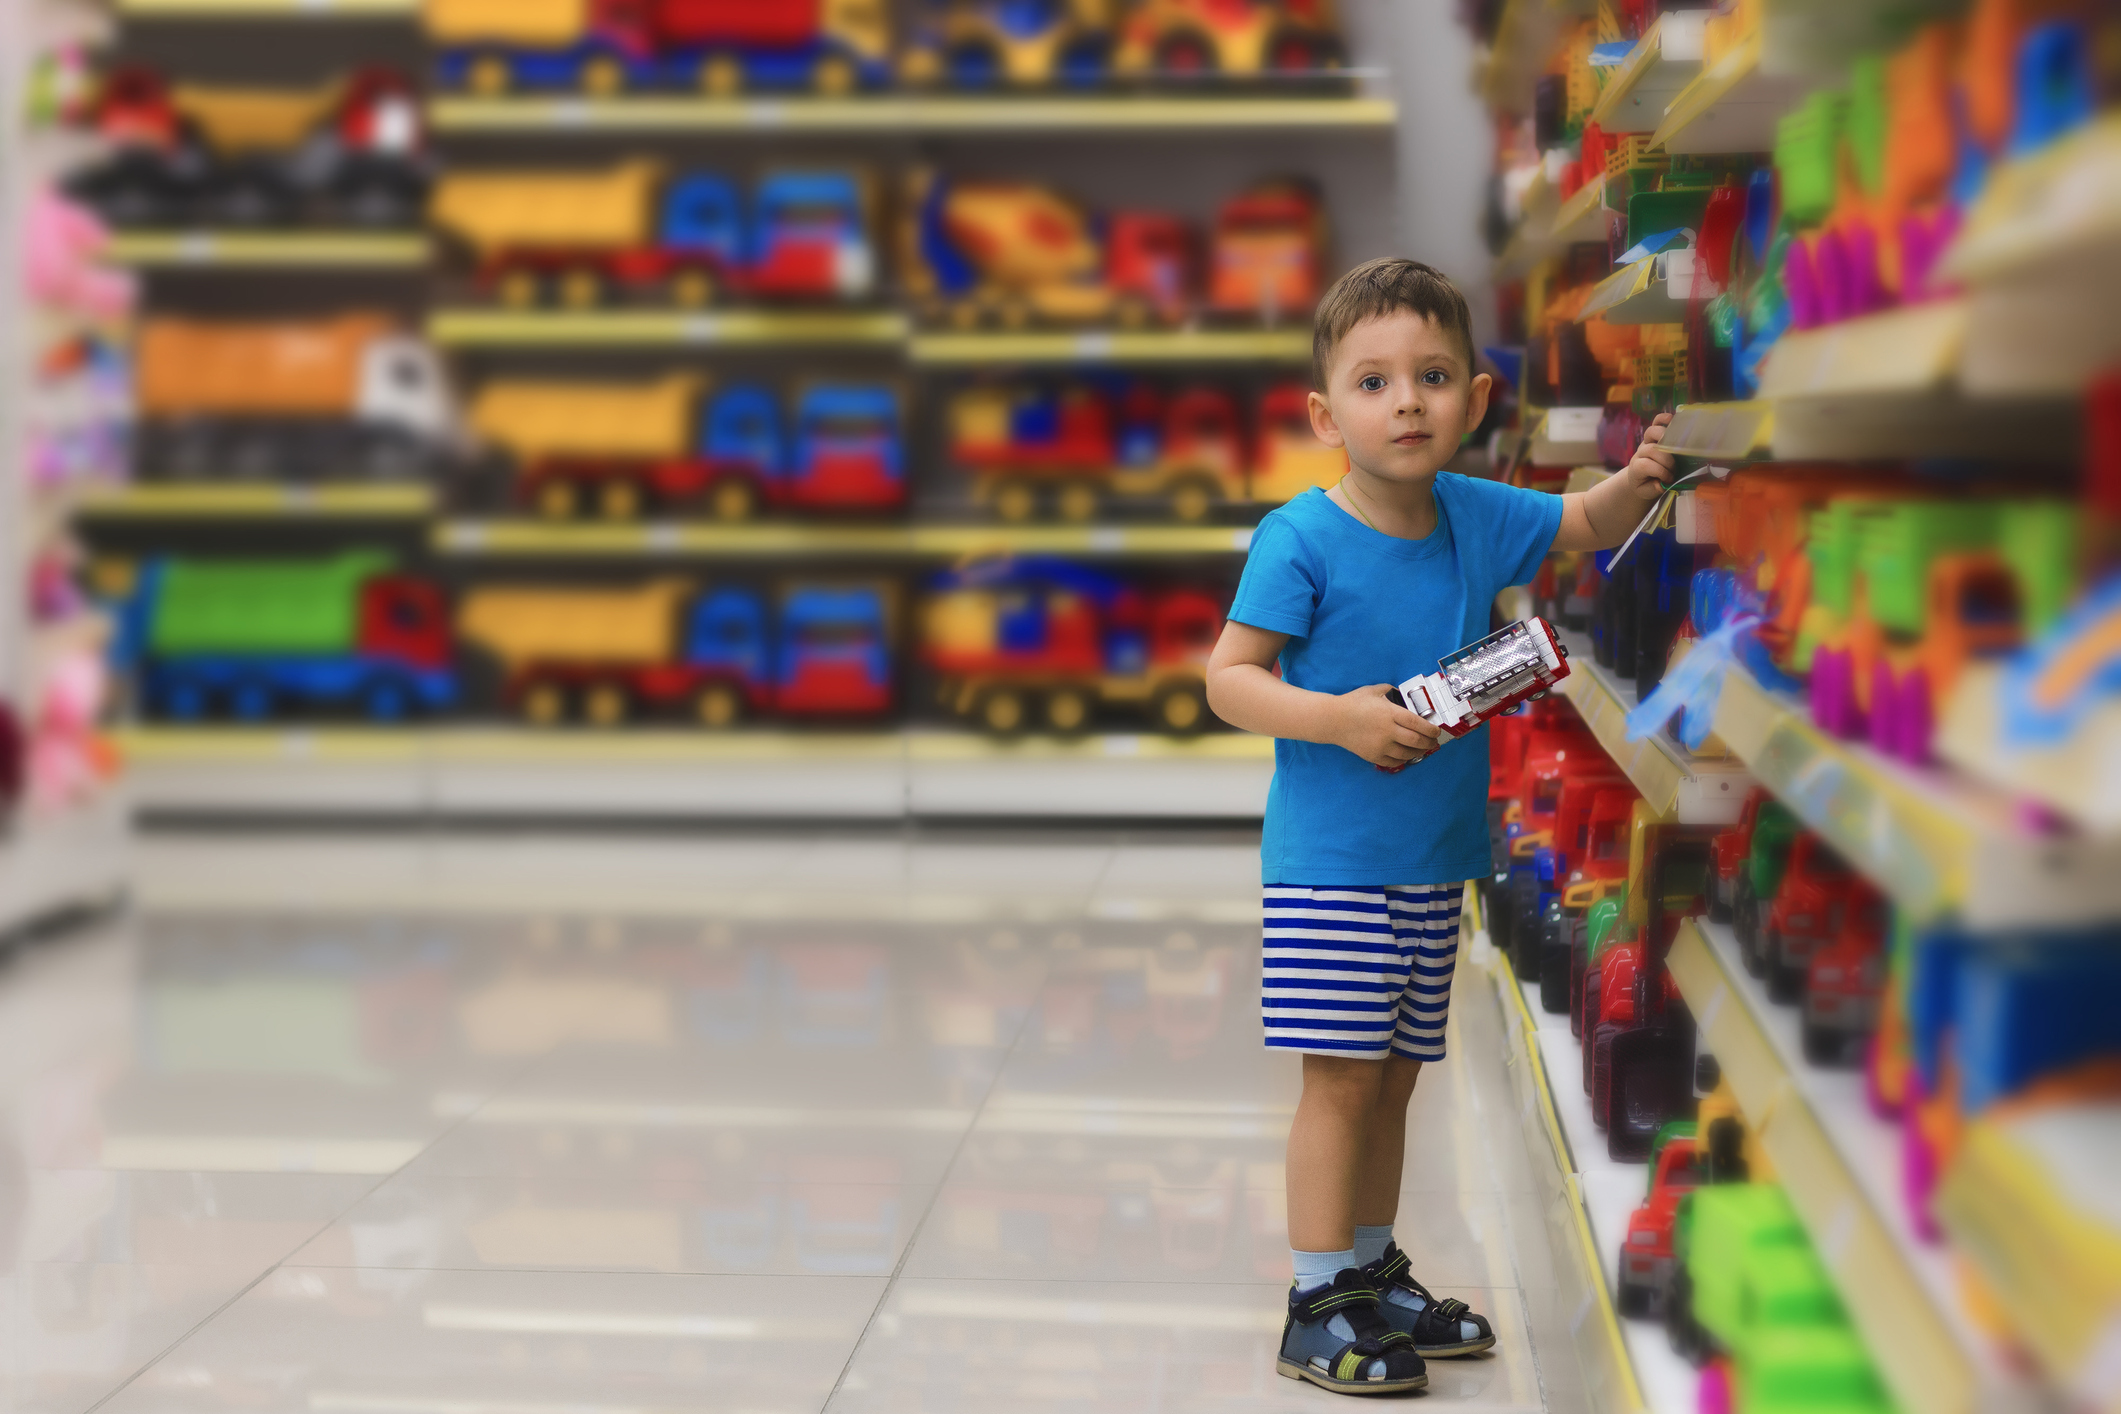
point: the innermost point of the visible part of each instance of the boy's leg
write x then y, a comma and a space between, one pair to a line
1328, 1148
1384, 1156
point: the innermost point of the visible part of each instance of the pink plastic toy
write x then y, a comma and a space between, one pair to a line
60, 248
68, 760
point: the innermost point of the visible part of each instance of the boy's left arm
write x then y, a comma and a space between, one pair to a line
1599, 519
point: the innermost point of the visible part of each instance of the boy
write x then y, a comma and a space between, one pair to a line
1353, 589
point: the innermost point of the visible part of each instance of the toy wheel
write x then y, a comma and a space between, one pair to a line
1634, 1299
1067, 710
1015, 501
1077, 502
722, 76
556, 500
619, 500
1821, 1045
545, 704
490, 76
184, 702
603, 77
692, 289
1186, 54
1014, 313
733, 500
581, 289
388, 702
519, 289
1182, 710
718, 706
964, 314
1003, 712
606, 705
834, 76
251, 702
1191, 500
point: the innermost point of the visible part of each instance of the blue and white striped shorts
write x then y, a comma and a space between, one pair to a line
1359, 971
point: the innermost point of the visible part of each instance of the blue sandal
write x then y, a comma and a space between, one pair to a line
1446, 1327
1338, 1339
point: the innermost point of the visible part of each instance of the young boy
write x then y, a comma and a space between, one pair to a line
1353, 589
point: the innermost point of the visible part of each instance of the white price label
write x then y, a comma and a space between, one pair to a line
1093, 345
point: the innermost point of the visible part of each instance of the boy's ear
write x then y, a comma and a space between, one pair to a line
1477, 403
1322, 423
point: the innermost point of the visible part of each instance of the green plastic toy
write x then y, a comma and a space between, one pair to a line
1896, 547
1869, 115
262, 606
1808, 156
1809, 1370
2039, 543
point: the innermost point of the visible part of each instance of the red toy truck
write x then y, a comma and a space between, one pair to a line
1818, 900
1647, 1256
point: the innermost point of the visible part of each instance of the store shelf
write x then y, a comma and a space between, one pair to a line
252, 501
2073, 777
466, 771
652, 328
262, 9
248, 250
1677, 785
59, 860
1524, 43
1659, 289
1934, 840
1658, 69
1291, 345
1721, 432
775, 538
1587, 1199
1841, 1165
1565, 436
1731, 106
893, 115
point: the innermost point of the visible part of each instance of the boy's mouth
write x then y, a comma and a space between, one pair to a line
1412, 439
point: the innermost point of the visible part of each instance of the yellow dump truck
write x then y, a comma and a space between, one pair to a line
582, 230
352, 394
622, 444
605, 655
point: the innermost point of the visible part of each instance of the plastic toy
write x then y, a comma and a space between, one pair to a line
1641, 1052
69, 760
253, 638
1188, 451
834, 658
848, 454
606, 655
1488, 678
1015, 254
1287, 457
61, 245
1024, 43
1598, 872
1759, 881
347, 153
1043, 642
348, 396
1817, 899
1844, 988
1267, 259
1017, 440
579, 235
1195, 39
605, 47
1647, 1255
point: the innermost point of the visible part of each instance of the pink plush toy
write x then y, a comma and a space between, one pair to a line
68, 759
60, 247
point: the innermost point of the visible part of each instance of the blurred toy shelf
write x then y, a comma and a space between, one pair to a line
1291, 345
892, 115
1524, 40
1657, 70
298, 250
259, 501
1731, 106
1587, 1199
771, 538
56, 861
1581, 217
1841, 1165
264, 9
472, 771
648, 328
1934, 840
1678, 785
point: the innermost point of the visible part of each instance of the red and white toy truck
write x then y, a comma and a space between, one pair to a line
1488, 678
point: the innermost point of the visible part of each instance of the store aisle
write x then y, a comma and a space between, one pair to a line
866, 1124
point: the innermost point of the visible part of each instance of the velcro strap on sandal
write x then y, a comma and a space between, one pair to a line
1451, 1309
1329, 1301
1395, 1267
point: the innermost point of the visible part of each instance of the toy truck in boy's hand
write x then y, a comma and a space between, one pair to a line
1488, 678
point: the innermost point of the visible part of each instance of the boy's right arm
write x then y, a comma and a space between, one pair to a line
1244, 692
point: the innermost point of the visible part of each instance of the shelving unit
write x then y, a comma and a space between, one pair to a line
1677, 784
1840, 1164
1658, 69
894, 115
655, 328
255, 501
1732, 105
266, 9
270, 250
771, 538
1148, 346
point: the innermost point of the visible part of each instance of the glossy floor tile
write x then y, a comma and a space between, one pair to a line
846, 1121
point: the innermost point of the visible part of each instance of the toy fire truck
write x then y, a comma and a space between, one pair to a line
1488, 678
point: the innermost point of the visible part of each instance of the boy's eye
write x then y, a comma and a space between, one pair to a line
1435, 377
1374, 383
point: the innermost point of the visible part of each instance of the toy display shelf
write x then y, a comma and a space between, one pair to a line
1732, 105
1627, 1365
771, 538
1841, 1166
1884, 387
1657, 70
54, 862
1658, 289
1933, 839
1525, 37
265, 9
257, 501
1583, 216
473, 771
654, 328
2071, 777
1678, 785
895, 115
1284, 346
270, 250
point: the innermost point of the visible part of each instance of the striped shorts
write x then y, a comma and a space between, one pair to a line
1359, 971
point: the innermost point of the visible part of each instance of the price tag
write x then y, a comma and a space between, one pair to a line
1093, 345
1117, 745
704, 328
197, 247
570, 113
766, 113
1107, 539
664, 537
471, 536
1241, 540
299, 498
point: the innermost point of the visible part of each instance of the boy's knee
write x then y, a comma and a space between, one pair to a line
1344, 1082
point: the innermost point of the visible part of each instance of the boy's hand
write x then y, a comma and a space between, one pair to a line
1652, 467
1388, 737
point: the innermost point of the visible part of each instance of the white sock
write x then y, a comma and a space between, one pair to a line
1317, 1269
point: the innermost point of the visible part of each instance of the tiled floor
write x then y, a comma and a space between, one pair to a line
531, 1125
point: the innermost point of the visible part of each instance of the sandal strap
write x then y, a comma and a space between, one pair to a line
1329, 1301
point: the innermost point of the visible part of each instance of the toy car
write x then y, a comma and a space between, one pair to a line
1488, 678
1266, 261
1647, 1255
835, 653
1194, 39
847, 450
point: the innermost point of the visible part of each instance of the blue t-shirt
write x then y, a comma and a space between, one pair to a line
1363, 607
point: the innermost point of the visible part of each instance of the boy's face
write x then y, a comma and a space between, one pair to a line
1400, 397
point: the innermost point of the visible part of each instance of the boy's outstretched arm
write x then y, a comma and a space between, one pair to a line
1244, 692
1599, 519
